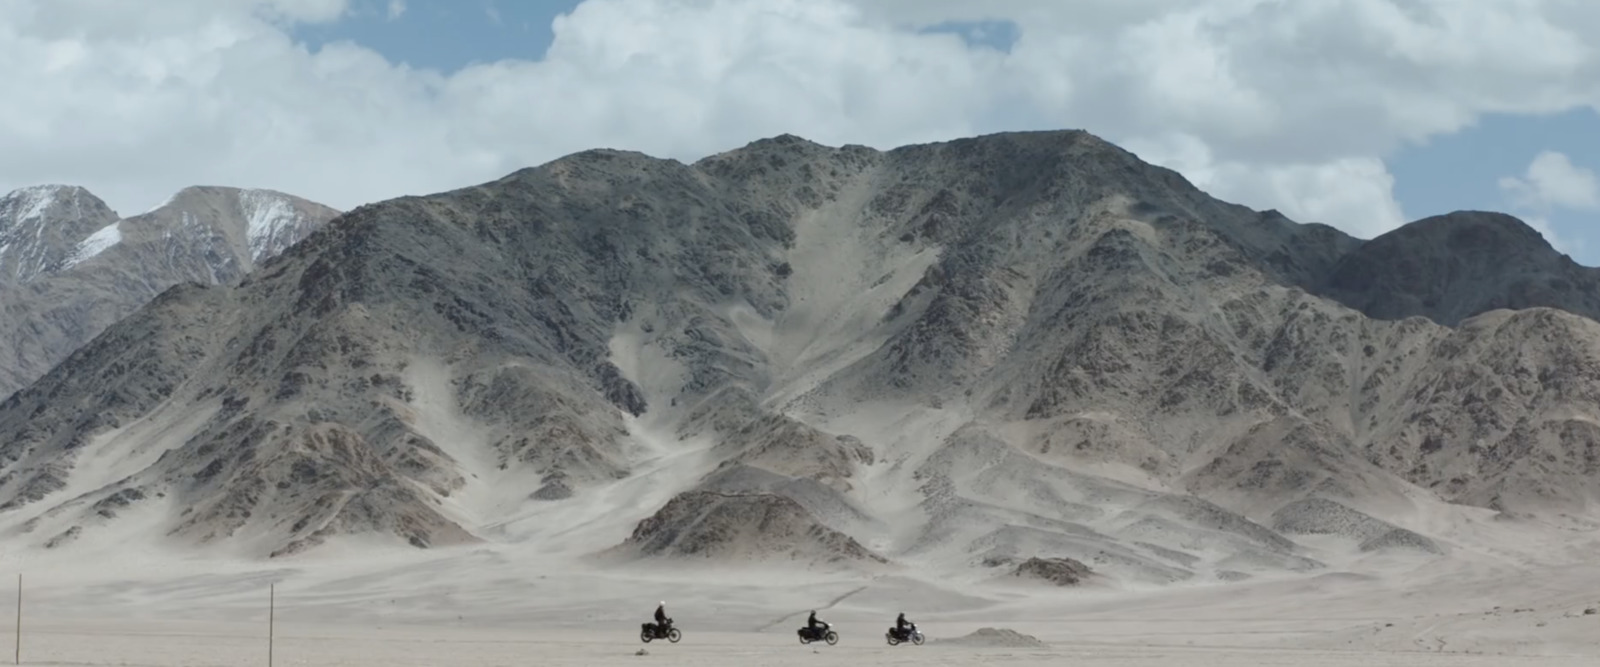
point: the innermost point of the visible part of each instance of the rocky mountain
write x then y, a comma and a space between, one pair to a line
958, 356
1450, 267
70, 267
41, 228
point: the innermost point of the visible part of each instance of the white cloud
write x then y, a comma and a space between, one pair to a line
397, 8
1354, 193
1551, 182
1562, 243
1272, 104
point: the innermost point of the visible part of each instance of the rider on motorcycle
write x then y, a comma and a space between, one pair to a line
813, 624
661, 615
902, 627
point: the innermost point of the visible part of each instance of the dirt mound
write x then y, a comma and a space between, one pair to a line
1401, 538
996, 638
1058, 571
1320, 516
736, 526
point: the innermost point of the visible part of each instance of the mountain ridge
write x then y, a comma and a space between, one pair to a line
28, 211
979, 351
1477, 252
75, 266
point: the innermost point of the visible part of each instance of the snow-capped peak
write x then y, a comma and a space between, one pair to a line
273, 221
29, 203
40, 226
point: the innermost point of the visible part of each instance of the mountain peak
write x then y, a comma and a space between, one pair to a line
1485, 231
1486, 236
759, 157
1058, 138
1452, 266
42, 225
84, 268
46, 190
265, 221
198, 196
785, 139
36, 202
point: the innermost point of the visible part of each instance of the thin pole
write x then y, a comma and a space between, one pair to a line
19, 618
272, 611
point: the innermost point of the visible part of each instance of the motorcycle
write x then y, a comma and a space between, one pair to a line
824, 633
911, 634
650, 631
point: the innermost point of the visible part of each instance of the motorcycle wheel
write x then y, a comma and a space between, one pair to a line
674, 635
832, 638
644, 636
916, 638
892, 640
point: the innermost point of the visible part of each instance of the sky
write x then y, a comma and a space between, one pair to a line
1362, 114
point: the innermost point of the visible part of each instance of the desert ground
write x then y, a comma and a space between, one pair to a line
483, 608
196, 644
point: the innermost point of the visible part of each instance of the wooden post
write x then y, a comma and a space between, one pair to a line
272, 611
19, 618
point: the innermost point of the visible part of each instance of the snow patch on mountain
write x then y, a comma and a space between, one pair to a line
272, 222
31, 233
97, 243
49, 234
29, 203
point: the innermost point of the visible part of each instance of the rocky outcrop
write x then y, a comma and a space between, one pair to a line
1057, 571
744, 527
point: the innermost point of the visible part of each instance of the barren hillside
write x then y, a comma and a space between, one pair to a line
949, 357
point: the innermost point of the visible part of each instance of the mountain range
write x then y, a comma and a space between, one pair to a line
70, 266
965, 357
